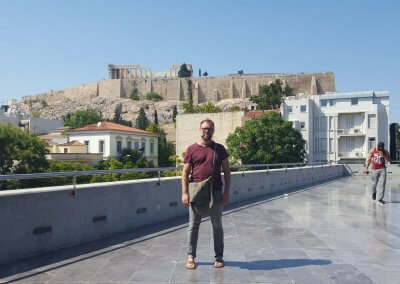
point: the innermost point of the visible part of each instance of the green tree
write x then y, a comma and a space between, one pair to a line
267, 139
134, 95
130, 159
81, 118
174, 113
155, 117
153, 96
188, 105
234, 108
118, 117
166, 149
270, 96
207, 108
20, 152
68, 166
117, 114
142, 122
184, 72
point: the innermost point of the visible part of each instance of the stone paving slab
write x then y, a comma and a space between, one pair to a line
329, 233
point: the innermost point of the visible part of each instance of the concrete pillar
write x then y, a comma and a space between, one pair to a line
196, 96
231, 89
314, 89
257, 90
244, 89
215, 96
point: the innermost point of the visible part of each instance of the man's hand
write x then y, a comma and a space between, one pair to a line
225, 198
185, 199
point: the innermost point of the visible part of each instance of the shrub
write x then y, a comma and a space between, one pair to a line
153, 96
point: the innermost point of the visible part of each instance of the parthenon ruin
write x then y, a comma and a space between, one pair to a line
138, 71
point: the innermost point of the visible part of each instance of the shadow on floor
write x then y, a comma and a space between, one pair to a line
67, 256
272, 264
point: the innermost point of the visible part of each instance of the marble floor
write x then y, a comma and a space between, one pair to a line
328, 233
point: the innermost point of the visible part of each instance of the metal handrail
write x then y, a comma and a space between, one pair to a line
136, 170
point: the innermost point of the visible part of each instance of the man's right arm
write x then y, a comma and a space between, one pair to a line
368, 162
185, 183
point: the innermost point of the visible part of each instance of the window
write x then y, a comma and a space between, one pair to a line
151, 147
323, 123
354, 101
143, 148
324, 103
332, 102
86, 142
350, 144
371, 143
289, 109
65, 150
129, 144
371, 121
101, 146
303, 108
331, 123
119, 147
323, 145
316, 145
316, 123
331, 150
302, 125
349, 122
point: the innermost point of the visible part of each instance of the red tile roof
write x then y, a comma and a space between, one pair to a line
110, 126
72, 143
49, 142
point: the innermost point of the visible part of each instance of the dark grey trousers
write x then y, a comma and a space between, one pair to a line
218, 232
379, 183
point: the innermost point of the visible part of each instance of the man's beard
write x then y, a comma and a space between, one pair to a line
206, 137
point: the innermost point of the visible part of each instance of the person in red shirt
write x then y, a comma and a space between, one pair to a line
199, 159
378, 156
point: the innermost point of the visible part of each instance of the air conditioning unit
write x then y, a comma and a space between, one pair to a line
358, 154
340, 131
357, 130
340, 155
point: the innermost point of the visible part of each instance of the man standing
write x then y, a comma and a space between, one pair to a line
378, 155
200, 159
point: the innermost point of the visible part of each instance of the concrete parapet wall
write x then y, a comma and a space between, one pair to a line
188, 125
37, 220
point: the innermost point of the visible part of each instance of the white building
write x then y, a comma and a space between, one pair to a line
27, 122
110, 138
339, 126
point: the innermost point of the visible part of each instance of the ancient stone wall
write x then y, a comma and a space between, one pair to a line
204, 88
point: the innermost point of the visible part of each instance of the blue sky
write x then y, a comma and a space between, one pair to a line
48, 45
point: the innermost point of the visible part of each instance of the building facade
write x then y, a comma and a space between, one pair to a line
110, 138
73, 151
339, 127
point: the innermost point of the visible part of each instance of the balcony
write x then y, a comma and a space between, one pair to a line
357, 131
352, 155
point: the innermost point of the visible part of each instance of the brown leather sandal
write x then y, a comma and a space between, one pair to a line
191, 264
219, 263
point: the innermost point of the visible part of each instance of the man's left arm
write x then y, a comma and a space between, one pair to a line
387, 156
227, 178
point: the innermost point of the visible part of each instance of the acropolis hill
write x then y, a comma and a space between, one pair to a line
105, 95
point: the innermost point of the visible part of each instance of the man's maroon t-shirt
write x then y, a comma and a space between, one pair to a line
201, 158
